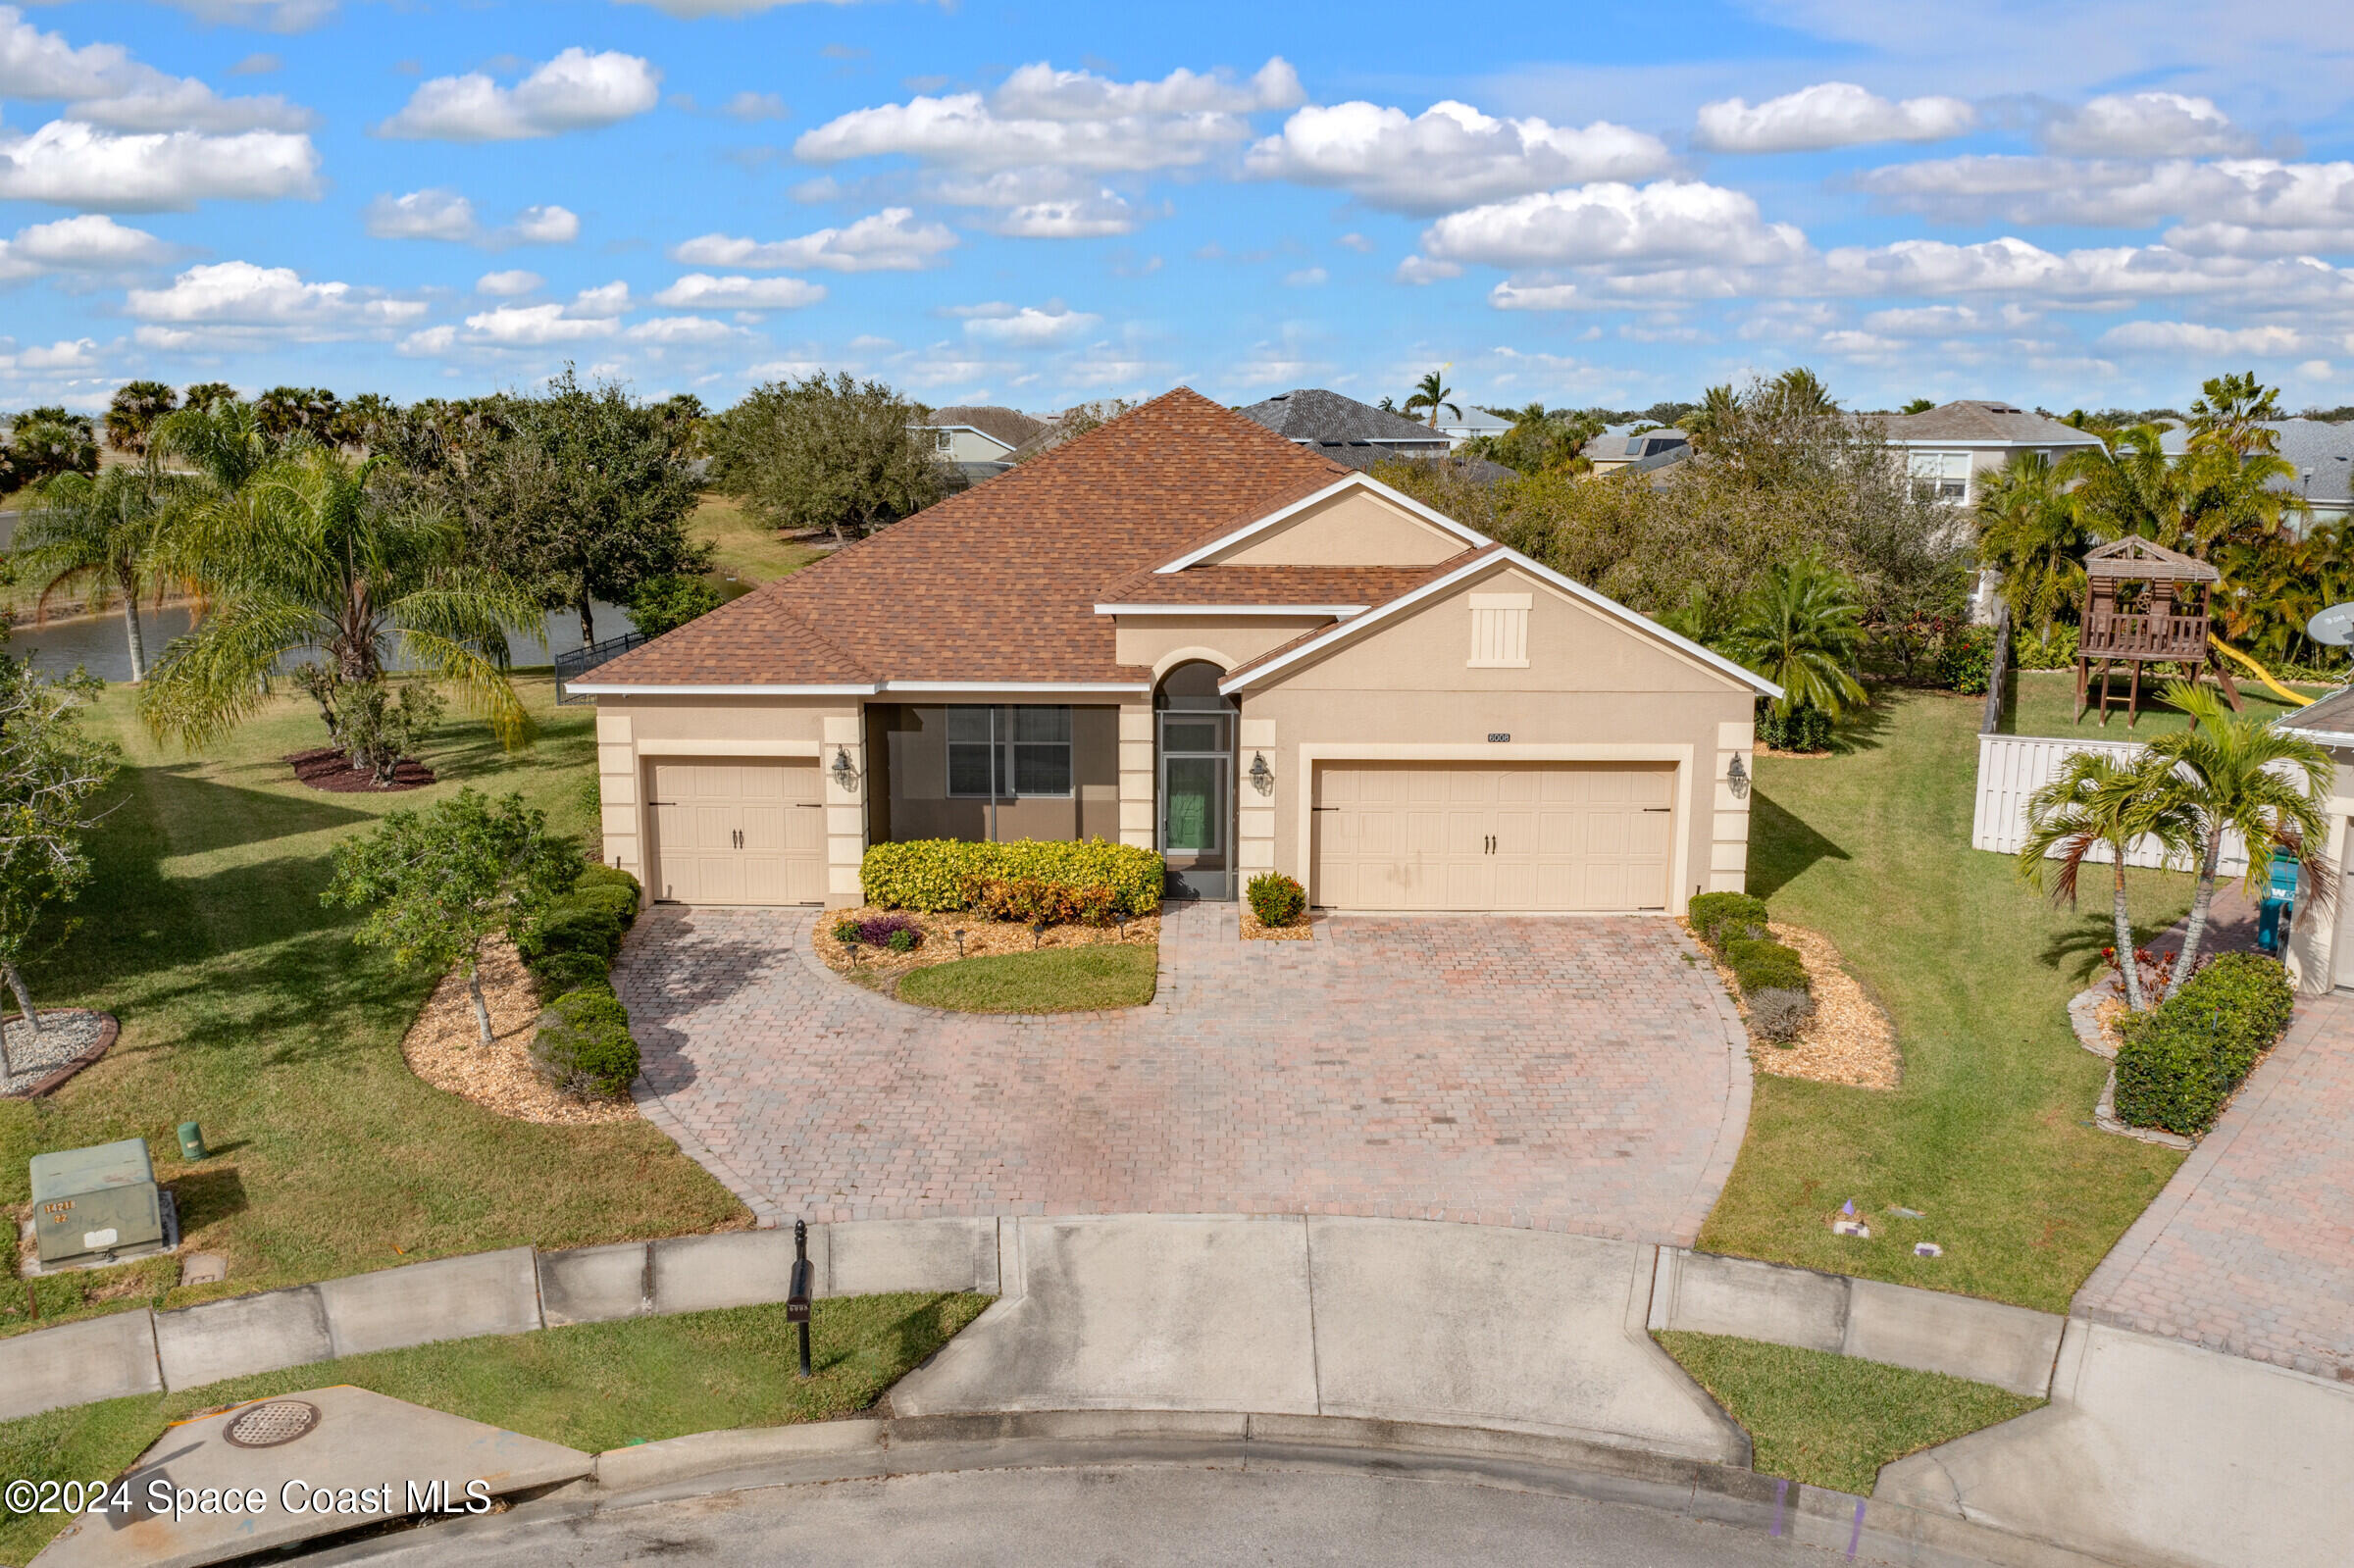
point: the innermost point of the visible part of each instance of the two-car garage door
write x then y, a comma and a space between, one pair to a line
1540, 837
737, 832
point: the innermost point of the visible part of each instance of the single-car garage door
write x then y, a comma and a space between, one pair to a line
738, 832
1543, 836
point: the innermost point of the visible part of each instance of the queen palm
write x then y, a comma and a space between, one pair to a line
304, 558
1431, 392
1800, 627
222, 438
2101, 800
2242, 775
102, 535
2029, 533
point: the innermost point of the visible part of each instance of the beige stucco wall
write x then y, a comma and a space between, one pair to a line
1161, 643
1357, 528
1594, 689
909, 791
2320, 944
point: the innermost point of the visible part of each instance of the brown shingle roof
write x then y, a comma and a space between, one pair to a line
1275, 585
1000, 582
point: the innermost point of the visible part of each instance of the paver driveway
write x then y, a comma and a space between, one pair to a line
2250, 1248
1569, 1074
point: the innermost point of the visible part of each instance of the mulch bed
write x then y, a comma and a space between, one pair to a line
328, 768
70, 1039
1849, 1039
445, 1048
883, 969
1257, 930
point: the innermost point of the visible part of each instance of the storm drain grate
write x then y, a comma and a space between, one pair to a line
267, 1426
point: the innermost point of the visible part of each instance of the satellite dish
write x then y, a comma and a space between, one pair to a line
2333, 627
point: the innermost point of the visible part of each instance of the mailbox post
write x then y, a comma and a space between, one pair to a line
797, 1302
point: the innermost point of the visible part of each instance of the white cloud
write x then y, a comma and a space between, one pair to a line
574, 91
79, 354
430, 214
507, 284
606, 299
1422, 270
1450, 155
429, 340
1028, 326
2147, 125
1040, 91
2192, 337
174, 103
240, 296
2114, 274
279, 15
43, 65
89, 242
1829, 113
1306, 278
2245, 206
692, 10
890, 240
108, 87
704, 291
748, 106
1105, 213
1665, 221
535, 327
73, 165
545, 225
681, 331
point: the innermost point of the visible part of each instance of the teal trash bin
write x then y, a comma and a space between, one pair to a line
2277, 912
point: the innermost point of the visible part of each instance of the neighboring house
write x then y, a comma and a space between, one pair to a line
2320, 944
1357, 434
1953, 448
1645, 452
1184, 631
1470, 424
2321, 451
979, 440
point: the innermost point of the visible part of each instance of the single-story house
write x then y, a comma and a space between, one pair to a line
1952, 446
1352, 433
2322, 454
1184, 631
1470, 424
978, 439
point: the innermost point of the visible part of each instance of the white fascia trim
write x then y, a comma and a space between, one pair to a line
1352, 481
1940, 445
1231, 609
1124, 687
607, 690
1505, 553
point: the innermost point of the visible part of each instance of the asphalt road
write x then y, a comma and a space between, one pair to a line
1113, 1518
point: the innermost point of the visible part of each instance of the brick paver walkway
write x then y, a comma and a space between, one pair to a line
1568, 1074
2250, 1248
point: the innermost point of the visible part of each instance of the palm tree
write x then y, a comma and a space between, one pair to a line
1431, 392
2029, 531
1917, 405
1800, 629
1801, 391
103, 534
2231, 412
305, 558
2232, 768
222, 438
2099, 799
1720, 407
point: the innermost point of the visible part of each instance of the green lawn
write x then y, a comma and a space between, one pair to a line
592, 1388
1053, 979
246, 1006
746, 551
1992, 1134
2044, 703
1830, 1419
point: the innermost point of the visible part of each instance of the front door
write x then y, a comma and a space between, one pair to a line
1196, 802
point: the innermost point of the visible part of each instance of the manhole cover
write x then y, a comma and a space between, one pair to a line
266, 1426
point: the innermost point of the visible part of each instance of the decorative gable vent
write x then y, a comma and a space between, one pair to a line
1500, 631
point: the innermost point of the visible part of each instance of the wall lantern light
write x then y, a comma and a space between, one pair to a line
845, 772
1262, 777
1738, 777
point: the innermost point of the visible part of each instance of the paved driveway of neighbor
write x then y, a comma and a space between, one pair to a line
2250, 1248
1568, 1074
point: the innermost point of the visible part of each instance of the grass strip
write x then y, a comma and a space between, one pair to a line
1053, 979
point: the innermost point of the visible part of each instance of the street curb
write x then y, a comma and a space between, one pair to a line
714, 1464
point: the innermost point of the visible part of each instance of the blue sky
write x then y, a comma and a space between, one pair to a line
1039, 203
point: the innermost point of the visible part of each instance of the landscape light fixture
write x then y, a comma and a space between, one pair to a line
1262, 777
1738, 777
845, 772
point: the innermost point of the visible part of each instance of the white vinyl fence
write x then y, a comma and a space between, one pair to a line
2011, 767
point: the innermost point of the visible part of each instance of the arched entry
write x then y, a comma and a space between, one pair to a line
1194, 753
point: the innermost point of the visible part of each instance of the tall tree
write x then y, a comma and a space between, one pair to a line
2031, 533
46, 441
286, 412
1430, 394
305, 558
1800, 629
132, 415
586, 496
827, 453
103, 536
220, 438
2242, 775
204, 394
2231, 412
2098, 801
51, 775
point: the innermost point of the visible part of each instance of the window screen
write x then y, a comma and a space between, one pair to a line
1034, 752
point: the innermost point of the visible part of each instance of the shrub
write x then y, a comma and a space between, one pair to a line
847, 932
584, 1046
599, 877
1276, 899
664, 603
1719, 918
557, 972
2029, 651
1967, 661
1035, 901
938, 875
886, 931
576, 939
1760, 965
905, 940
2180, 1064
1798, 729
1777, 1012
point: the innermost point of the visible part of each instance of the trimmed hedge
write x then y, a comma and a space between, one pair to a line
1765, 965
1798, 729
1276, 899
1718, 918
2180, 1064
584, 1046
576, 939
939, 875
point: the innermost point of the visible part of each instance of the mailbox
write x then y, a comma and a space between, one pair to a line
90, 1202
797, 1304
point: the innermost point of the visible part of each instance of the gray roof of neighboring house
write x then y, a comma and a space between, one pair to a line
1654, 448
2324, 447
1008, 424
2330, 718
1364, 455
1983, 423
1312, 415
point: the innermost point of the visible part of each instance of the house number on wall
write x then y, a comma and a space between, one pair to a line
1500, 734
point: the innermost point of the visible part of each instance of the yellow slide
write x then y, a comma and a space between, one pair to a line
2261, 673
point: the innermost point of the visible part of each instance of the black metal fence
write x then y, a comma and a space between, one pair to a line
573, 665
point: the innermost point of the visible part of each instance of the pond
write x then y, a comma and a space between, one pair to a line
97, 642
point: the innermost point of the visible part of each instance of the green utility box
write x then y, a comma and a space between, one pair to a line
88, 1202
